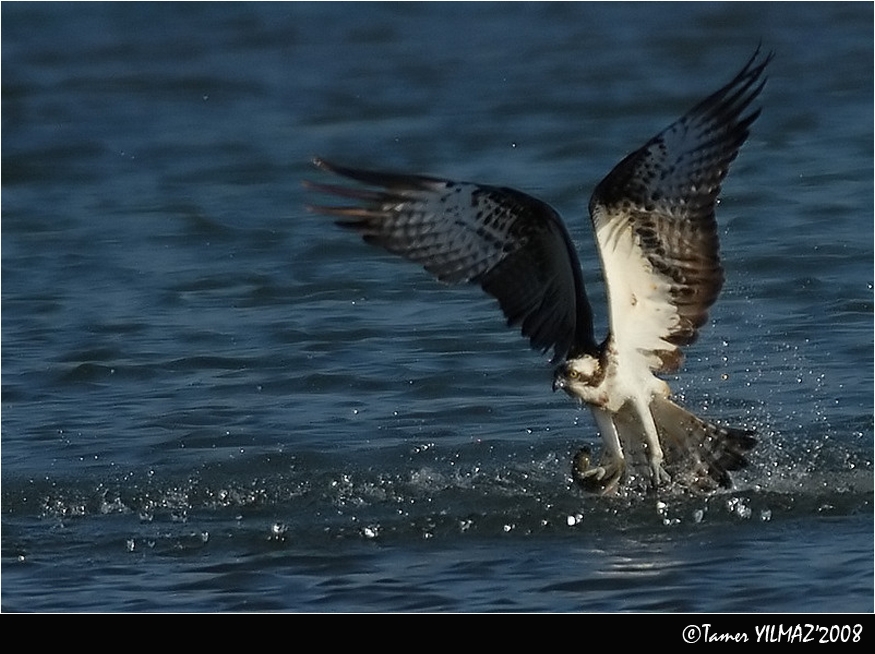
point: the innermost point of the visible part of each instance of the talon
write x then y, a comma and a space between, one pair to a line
603, 479
658, 475
599, 473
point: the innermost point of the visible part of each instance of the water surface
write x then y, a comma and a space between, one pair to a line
214, 400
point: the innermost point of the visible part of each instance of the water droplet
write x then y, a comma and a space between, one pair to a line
278, 532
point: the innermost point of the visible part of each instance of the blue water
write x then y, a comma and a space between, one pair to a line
214, 400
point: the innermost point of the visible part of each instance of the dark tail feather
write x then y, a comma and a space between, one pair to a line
698, 454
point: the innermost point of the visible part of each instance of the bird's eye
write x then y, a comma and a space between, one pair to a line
573, 374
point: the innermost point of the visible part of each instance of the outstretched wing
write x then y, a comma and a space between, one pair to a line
515, 246
654, 221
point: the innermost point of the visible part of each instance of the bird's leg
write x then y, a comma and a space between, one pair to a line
605, 477
658, 475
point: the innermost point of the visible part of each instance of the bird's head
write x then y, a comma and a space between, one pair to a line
576, 376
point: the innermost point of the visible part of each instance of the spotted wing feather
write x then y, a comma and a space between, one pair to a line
654, 220
515, 246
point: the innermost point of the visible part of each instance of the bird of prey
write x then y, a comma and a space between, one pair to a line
654, 224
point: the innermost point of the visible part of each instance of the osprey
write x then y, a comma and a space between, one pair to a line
653, 218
